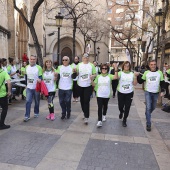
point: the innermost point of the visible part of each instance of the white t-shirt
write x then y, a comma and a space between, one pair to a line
12, 69
125, 82
103, 85
48, 77
5, 69
66, 81
33, 73
85, 71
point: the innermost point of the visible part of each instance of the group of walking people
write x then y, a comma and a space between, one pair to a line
79, 78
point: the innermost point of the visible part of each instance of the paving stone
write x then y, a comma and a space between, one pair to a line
14, 152
108, 156
164, 129
159, 114
114, 127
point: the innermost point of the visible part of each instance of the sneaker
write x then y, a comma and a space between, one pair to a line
52, 116
36, 115
86, 120
148, 128
63, 117
26, 119
99, 124
104, 119
4, 127
48, 117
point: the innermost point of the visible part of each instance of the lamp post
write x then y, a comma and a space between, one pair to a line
59, 20
139, 40
98, 52
159, 20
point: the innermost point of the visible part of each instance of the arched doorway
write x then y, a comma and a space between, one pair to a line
66, 52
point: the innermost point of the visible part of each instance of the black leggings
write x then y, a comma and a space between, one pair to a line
102, 107
85, 93
75, 90
114, 86
50, 98
124, 103
4, 105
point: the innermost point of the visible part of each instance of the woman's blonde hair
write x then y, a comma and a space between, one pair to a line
45, 67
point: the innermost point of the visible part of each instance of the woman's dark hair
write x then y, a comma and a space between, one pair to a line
104, 65
4, 59
123, 65
10, 60
0, 62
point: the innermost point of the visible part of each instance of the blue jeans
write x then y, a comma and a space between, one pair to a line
65, 101
30, 94
151, 101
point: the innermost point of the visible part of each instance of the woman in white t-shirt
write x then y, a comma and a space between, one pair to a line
85, 70
102, 85
49, 77
127, 79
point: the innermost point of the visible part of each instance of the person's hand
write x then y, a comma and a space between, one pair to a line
115, 66
9, 94
17, 71
92, 77
39, 80
55, 76
74, 70
162, 94
136, 74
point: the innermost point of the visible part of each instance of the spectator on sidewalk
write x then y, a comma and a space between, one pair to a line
50, 77
4, 78
75, 86
127, 79
102, 85
166, 78
65, 86
85, 70
153, 81
33, 75
24, 57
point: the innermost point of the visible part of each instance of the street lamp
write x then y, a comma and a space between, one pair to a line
159, 20
59, 20
98, 52
139, 40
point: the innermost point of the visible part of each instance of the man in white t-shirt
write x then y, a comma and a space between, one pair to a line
65, 86
153, 81
33, 74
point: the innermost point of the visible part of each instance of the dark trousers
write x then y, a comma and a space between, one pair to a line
75, 90
65, 101
167, 88
50, 98
4, 106
124, 103
102, 107
85, 93
114, 86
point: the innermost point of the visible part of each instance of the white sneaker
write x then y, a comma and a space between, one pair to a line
99, 124
104, 118
86, 120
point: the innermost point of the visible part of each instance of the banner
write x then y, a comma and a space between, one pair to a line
88, 47
128, 55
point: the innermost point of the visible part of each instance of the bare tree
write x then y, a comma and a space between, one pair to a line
31, 27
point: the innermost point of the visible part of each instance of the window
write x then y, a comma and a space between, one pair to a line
120, 1
118, 50
119, 10
110, 3
109, 11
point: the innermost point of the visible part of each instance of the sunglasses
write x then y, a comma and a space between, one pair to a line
65, 60
104, 68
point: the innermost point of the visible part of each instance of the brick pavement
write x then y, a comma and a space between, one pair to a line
70, 145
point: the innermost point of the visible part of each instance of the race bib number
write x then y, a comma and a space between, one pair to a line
152, 79
85, 77
126, 87
65, 75
30, 81
47, 81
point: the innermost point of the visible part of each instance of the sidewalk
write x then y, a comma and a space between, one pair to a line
42, 144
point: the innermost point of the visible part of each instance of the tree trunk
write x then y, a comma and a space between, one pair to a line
37, 45
95, 57
74, 38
